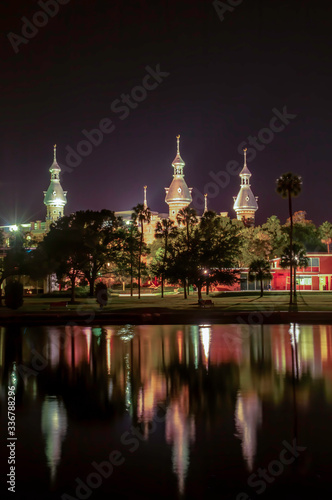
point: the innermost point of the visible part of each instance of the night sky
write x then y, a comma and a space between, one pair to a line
223, 80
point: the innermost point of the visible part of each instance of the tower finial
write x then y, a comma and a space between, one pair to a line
145, 204
54, 152
178, 144
245, 156
205, 204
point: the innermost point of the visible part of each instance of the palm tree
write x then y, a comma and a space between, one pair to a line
297, 258
166, 230
260, 269
187, 217
141, 214
288, 186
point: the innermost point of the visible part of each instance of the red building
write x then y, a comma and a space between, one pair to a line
317, 276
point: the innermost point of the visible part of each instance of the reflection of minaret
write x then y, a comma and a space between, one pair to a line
195, 341
54, 429
205, 334
180, 430
248, 415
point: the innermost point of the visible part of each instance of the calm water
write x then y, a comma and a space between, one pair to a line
221, 411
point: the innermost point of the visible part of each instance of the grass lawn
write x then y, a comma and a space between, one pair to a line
223, 302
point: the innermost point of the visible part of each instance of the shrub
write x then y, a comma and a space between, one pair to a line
14, 295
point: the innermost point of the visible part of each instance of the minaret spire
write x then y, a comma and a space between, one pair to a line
245, 203
55, 198
205, 204
145, 204
178, 195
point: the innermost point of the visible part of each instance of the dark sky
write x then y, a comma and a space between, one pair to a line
225, 78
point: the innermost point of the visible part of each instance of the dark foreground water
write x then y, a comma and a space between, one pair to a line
221, 411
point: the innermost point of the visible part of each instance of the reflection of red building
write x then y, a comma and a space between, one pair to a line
317, 276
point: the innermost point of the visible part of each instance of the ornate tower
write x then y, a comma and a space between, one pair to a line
245, 204
178, 195
55, 198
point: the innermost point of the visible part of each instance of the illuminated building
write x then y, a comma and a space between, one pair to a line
245, 204
316, 276
178, 195
55, 198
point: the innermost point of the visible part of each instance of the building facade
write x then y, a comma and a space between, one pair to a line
317, 276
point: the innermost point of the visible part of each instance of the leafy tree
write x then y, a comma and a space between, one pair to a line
141, 216
255, 243
288, 186
12, 259
325, 232
305, 232
166, 231
81, 245
260, 269
101, 240
214, 247
63, 248
277, 236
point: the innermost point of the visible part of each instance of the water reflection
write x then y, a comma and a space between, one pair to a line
223, 387
54, 428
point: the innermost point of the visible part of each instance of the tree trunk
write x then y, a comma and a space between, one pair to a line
207, 287
291, 248
184, 288
1, 282
188, 288
262, 289
72, 298
164, 263
199, 291
91, 283
295, 296
131, 274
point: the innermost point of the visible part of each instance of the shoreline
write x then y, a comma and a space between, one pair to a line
153, 317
